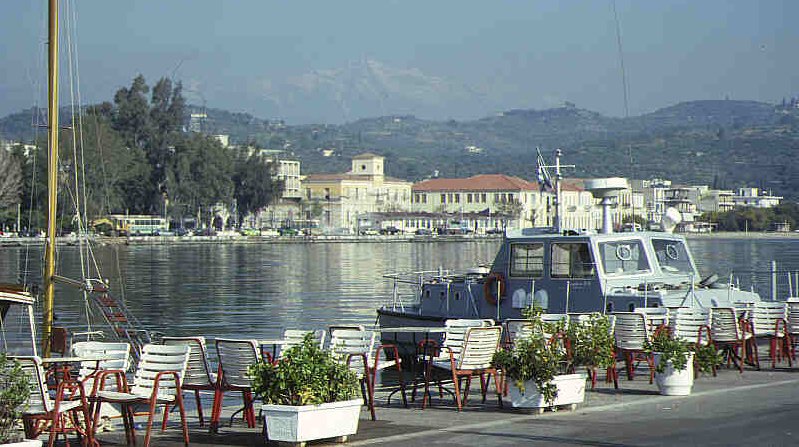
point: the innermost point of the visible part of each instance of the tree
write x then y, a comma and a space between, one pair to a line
199, 175
253, 184
131, 116
116, 176
10, 181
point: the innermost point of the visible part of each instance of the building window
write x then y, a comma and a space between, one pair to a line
496, 198
483, 197
443, 198
457, 198
469, 198
449, 197
424, 198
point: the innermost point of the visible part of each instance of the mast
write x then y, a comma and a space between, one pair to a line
52, 175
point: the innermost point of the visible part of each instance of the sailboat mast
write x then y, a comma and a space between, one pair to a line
52, 175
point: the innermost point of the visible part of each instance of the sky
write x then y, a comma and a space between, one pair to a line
336, 61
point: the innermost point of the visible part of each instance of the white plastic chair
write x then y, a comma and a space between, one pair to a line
731, 334
631, 331
473, 358
199, 376
41, 407
235, 358
359, 349
769, 319
157, 381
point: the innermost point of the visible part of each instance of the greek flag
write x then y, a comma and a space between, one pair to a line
544, 180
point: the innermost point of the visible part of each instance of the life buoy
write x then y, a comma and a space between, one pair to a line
490, 288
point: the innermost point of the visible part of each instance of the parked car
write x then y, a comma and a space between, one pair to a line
285, 231
390, 231
495, 231
369, 232
423, 232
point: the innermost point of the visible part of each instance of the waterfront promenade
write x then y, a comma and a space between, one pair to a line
753, 408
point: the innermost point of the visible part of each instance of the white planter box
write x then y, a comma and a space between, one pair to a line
675, 383
308, 422
25, 443
571, 391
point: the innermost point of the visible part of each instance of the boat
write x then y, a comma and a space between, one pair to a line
565, 271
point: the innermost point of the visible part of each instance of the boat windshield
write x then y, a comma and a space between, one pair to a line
672, 256
625, 257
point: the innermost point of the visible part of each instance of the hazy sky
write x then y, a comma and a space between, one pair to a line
255, 56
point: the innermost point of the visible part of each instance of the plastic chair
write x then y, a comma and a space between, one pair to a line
41, 408
292, 338
157, 381
235, 358
769, 320
731, 334
199, 376
359, 349
630, 333
474, 358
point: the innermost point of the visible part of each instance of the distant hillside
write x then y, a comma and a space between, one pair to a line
720, 143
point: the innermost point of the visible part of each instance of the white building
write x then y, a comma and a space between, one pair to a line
754, 197
342, 202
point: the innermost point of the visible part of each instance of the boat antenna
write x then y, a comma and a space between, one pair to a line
625, 91
546, 183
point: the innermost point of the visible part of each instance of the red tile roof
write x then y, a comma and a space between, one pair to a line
483, 182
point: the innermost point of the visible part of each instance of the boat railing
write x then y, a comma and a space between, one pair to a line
772, 284
407, 286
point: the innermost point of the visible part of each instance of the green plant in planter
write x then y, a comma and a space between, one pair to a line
671, 349
706, 357
306, 375
14, 393
592, 342
533, 358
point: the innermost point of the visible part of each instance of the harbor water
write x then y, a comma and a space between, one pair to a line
255, 290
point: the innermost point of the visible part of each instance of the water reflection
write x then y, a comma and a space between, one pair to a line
256, 290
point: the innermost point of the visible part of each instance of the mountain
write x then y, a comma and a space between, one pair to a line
725, 144
369, 87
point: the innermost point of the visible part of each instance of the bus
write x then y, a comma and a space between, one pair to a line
134, 224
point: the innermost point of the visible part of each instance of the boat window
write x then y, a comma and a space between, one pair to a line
527, 260
572, 260
623, 257
672, 256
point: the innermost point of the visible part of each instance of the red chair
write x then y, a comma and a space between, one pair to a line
42, 410
235, 358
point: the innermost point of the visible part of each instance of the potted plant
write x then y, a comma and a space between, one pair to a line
674, 372
14, 394
537, 370
592, 343
307, 395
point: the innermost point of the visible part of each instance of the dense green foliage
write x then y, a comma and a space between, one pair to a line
592, 342
306, 375
14, 392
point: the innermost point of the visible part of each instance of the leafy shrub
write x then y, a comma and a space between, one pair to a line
533, 358
672, 350
14, 393
306, 375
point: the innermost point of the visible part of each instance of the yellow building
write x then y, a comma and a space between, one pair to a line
344, 201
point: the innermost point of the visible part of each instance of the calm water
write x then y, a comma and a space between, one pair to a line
243, 290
